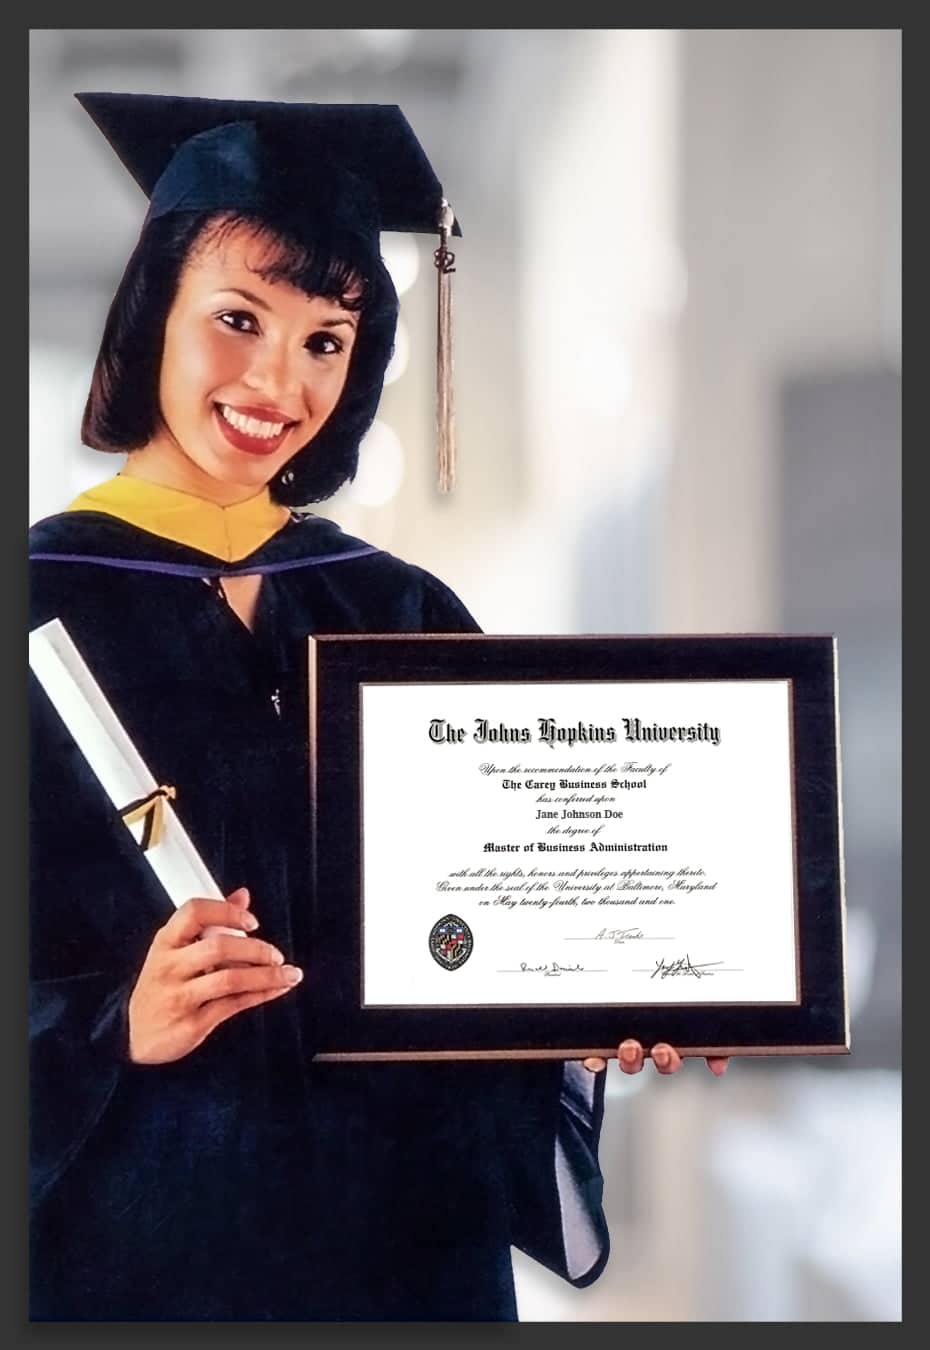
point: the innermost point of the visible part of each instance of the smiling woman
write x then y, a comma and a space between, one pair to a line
233, 331
242, 389
190, 1158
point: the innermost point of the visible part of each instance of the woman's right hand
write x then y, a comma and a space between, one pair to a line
188, 985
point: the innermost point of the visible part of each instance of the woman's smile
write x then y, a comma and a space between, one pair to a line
256, 431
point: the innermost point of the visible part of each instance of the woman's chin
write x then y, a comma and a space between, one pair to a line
252, 472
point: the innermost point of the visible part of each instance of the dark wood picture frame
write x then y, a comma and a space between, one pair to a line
340, 1026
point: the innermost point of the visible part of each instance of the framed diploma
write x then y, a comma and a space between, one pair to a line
535, 846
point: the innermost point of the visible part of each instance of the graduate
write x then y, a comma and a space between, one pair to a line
190, 1161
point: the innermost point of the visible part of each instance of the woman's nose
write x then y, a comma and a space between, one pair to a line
273, 372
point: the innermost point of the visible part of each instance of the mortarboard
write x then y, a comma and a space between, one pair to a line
204, 154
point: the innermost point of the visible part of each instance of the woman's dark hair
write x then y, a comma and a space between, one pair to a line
123, 412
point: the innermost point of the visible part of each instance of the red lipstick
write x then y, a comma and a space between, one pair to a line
254, 445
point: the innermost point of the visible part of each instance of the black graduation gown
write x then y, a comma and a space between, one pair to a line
244, 1181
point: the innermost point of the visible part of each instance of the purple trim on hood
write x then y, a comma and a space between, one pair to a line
192, 570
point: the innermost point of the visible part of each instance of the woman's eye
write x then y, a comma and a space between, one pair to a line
239, 320
324, 344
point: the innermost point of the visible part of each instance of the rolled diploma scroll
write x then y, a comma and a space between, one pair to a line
123, 774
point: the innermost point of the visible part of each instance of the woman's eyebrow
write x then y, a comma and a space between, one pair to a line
334, 323
246, 295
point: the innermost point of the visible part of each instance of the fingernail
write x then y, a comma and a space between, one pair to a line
249, 921
293, 974
628, 1052
661, 1057
277, 958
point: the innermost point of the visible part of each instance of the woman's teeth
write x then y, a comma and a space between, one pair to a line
250, 426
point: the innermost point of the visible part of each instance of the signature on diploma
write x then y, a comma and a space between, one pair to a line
550, 968
619, 935
683, 965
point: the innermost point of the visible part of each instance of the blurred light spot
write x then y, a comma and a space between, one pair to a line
401, 259
60, 466
603, 376
380, 469
391, 45
664, 280
398, 362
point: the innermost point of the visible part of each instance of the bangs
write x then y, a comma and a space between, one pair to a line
336, 269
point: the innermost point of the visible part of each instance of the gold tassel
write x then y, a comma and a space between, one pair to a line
151, 810
444, 260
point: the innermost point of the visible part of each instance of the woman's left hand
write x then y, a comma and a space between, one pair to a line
631, 1056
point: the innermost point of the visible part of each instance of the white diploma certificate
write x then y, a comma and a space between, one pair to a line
119, 767
570, 843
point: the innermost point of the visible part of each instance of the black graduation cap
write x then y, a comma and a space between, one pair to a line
190, 153
206, 154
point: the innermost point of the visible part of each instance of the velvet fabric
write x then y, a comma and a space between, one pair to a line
245, 1181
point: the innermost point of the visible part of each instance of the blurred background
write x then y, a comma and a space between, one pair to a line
678, 376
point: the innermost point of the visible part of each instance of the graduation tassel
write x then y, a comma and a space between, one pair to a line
445, 412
